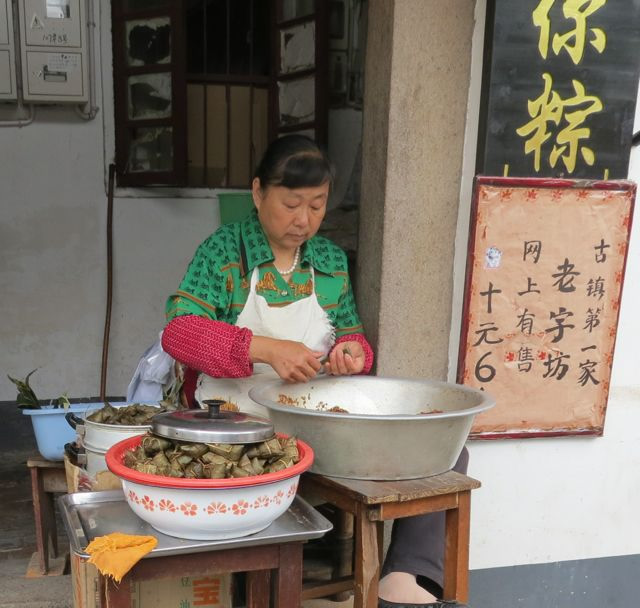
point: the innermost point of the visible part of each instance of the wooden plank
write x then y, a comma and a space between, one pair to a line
288, 577
315, 485
57, 566
41, 507
380, 534
117, 595
264, 557
258, 589
367, 567
344, 526
343, 550
54, 480
456, 560
317, 589
393, 510
377, 492
43, 463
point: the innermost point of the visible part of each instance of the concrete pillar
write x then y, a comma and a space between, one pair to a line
416, 85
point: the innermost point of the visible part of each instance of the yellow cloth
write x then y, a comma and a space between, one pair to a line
116, 553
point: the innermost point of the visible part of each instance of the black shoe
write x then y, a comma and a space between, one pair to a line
437, 604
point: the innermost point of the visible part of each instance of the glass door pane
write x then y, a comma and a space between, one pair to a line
148, 41
149, 96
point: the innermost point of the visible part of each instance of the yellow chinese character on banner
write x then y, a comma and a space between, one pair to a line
550, 108
574, 40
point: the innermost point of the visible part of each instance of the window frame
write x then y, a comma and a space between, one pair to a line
121, 73
175, 10
320, 70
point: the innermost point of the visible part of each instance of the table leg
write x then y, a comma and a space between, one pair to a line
367, 571
53, 531
380, 534
288, 576
343, 551
117, 595
258, 589
40, 513
456, 558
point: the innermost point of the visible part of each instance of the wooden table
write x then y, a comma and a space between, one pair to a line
374, 502
276, 567
47, 479
272, 558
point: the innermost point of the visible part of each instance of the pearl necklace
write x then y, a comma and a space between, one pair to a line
291, 268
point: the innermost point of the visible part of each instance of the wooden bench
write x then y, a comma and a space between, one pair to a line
47, 478
372, 503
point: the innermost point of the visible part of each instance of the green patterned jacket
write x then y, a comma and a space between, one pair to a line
216, 284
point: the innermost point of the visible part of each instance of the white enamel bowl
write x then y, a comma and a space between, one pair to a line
207, 509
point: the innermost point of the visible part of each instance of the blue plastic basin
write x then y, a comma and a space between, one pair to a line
51, 429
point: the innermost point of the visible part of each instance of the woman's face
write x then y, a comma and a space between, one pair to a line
288, 216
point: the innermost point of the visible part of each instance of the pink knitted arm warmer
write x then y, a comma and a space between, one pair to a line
221, 350
216, 348
368, 351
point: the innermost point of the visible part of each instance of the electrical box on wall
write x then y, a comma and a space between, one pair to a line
8, 90
53, 50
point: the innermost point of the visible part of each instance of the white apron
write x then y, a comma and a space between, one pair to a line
302, 321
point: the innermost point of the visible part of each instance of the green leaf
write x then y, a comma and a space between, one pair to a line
26, 398
62, 401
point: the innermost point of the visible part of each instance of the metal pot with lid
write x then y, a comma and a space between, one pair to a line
212, 425
93, 439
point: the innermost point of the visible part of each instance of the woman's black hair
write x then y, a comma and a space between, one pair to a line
294, 161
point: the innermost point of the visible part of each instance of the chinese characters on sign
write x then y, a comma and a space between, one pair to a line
559, 99
541, 305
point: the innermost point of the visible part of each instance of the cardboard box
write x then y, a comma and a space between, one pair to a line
211, 591
85, 582
78, 480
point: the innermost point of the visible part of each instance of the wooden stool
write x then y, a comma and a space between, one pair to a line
374, 502
270, 568
47, 478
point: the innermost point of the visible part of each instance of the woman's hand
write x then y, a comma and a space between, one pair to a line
345, 359
293, 361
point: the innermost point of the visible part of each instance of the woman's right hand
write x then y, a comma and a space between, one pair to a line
292, 361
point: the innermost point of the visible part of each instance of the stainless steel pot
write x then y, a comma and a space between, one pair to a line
97, 438
384, 435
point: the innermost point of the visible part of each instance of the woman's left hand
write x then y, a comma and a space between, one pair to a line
345, 359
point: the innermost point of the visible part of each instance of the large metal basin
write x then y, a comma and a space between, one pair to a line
383, 435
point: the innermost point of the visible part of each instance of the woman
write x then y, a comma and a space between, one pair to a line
266, 297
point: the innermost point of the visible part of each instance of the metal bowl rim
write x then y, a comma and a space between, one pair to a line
487, 402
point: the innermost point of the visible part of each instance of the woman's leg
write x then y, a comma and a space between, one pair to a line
417, 544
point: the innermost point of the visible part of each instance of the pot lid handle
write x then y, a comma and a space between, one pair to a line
214, 406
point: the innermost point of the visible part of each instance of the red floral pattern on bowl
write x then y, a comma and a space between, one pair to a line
261, 502
189, 509
216, 507
147, 503
240, 508
166, 505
